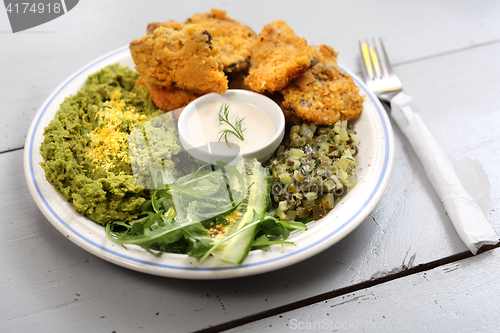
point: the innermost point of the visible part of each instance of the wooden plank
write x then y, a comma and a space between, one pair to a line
463, 112
457, 297
38, 60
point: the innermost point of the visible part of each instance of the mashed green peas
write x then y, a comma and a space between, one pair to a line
85, 151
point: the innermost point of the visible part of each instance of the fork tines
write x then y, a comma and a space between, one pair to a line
373, 67
377, 71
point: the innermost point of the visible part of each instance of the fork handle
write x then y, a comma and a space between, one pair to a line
466, 215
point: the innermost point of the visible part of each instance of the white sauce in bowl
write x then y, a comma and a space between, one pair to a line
203, 126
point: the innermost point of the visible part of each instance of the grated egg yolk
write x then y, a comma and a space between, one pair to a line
108, 140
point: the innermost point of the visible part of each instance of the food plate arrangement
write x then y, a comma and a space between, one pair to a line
374, 165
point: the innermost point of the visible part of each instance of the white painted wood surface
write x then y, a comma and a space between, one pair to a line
456, 297
446, 54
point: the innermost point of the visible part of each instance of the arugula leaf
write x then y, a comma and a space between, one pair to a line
175, 218
258, 219
261, 243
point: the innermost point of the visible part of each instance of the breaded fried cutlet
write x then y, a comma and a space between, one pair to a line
236, 80
278, 57
169, 24
327, 55
234, 39
167, 99
290, 117
187, 59
324, 94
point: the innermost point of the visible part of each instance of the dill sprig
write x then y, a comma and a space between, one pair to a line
237, 128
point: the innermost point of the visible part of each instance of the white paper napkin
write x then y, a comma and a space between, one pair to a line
463, 188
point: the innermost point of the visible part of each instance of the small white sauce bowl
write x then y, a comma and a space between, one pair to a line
222, 152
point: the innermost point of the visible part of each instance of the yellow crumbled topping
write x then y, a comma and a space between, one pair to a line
84, 121
108, 140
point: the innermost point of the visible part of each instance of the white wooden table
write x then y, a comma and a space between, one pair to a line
404, 268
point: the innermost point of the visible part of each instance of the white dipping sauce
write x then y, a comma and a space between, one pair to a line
203, 126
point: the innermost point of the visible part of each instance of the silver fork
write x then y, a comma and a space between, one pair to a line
377, 71
464, 212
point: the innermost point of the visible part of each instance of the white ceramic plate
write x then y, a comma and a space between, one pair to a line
374, 165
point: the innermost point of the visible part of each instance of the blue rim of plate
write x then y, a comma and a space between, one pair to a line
361, 209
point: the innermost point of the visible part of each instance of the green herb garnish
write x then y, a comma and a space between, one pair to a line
180, 215
237, 129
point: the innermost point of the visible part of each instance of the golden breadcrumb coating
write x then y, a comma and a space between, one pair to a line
234, 39
324, 94
186, 59
167, 99
169, 24
327, 55
278, 57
